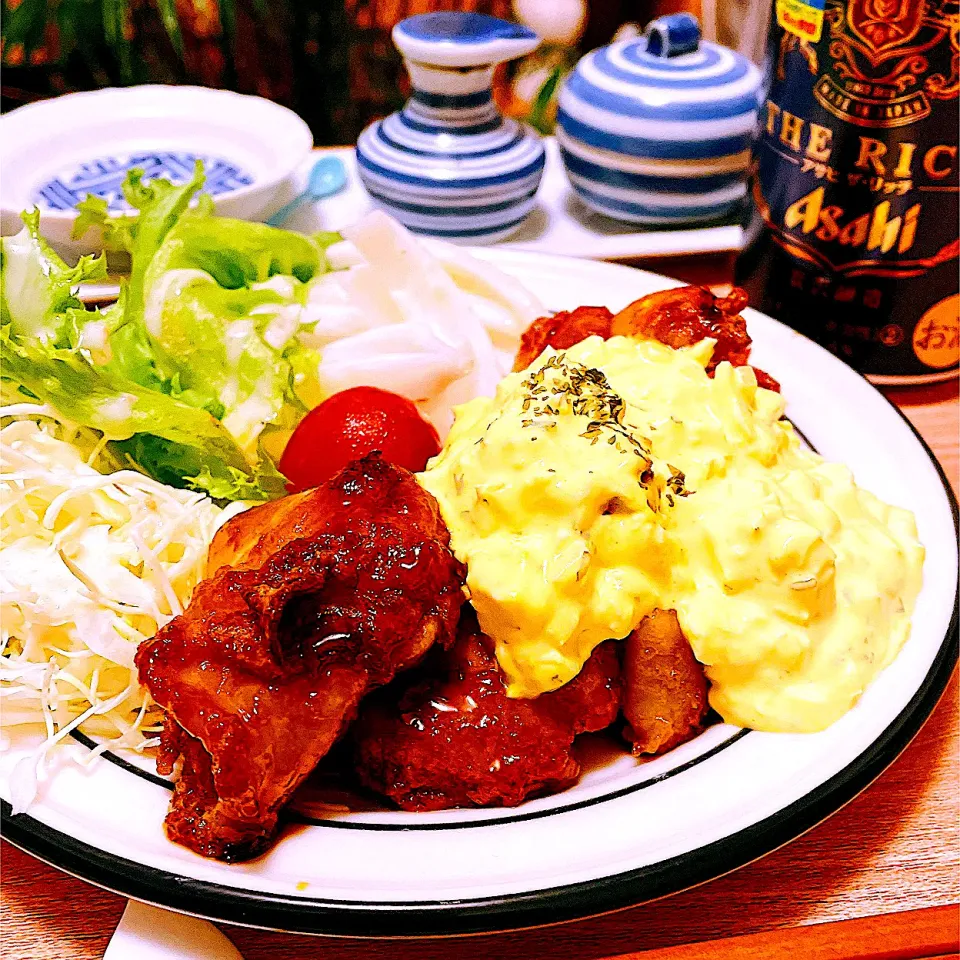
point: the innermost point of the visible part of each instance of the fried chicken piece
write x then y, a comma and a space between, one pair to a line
678, 317
333, 594
456, 739
687, 315
562, 330
252, 537
664, 696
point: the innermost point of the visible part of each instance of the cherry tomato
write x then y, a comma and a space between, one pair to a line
351, 424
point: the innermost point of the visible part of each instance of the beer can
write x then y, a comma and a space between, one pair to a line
856, 181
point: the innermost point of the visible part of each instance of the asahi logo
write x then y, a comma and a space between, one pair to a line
879, 74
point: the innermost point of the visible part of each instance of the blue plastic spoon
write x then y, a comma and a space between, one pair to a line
328, 176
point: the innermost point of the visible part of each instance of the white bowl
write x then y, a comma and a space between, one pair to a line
83, 143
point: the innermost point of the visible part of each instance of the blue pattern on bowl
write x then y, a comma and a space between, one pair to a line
660, 139
448, 164
104, 176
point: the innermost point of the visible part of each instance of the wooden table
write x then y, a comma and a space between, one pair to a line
895, 848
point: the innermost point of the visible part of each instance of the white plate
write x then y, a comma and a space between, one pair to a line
628, 832
54, 152
559, 224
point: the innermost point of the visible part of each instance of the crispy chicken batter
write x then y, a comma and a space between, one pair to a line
562, 330
678, 318
456, 739
664, 687
367, 494
313, 601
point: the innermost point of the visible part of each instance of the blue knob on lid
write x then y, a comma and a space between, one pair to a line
673, 35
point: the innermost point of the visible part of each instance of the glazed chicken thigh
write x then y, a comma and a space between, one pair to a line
454, 738
313, 601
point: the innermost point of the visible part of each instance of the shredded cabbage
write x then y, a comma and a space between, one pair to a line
91, 564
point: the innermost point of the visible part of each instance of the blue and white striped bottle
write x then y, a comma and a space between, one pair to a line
658, 129
448, 164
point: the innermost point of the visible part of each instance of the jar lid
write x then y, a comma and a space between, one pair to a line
669, 73
461, 40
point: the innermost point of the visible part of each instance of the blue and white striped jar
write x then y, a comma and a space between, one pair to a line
658, 129
448, 164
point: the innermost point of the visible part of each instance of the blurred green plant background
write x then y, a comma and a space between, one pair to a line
332, 61
291, 51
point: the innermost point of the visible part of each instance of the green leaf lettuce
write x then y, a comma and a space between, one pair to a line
197, 371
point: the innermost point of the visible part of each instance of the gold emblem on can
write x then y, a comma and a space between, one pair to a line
880, 75
936, 339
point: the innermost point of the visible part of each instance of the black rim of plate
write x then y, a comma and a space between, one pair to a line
512, 911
